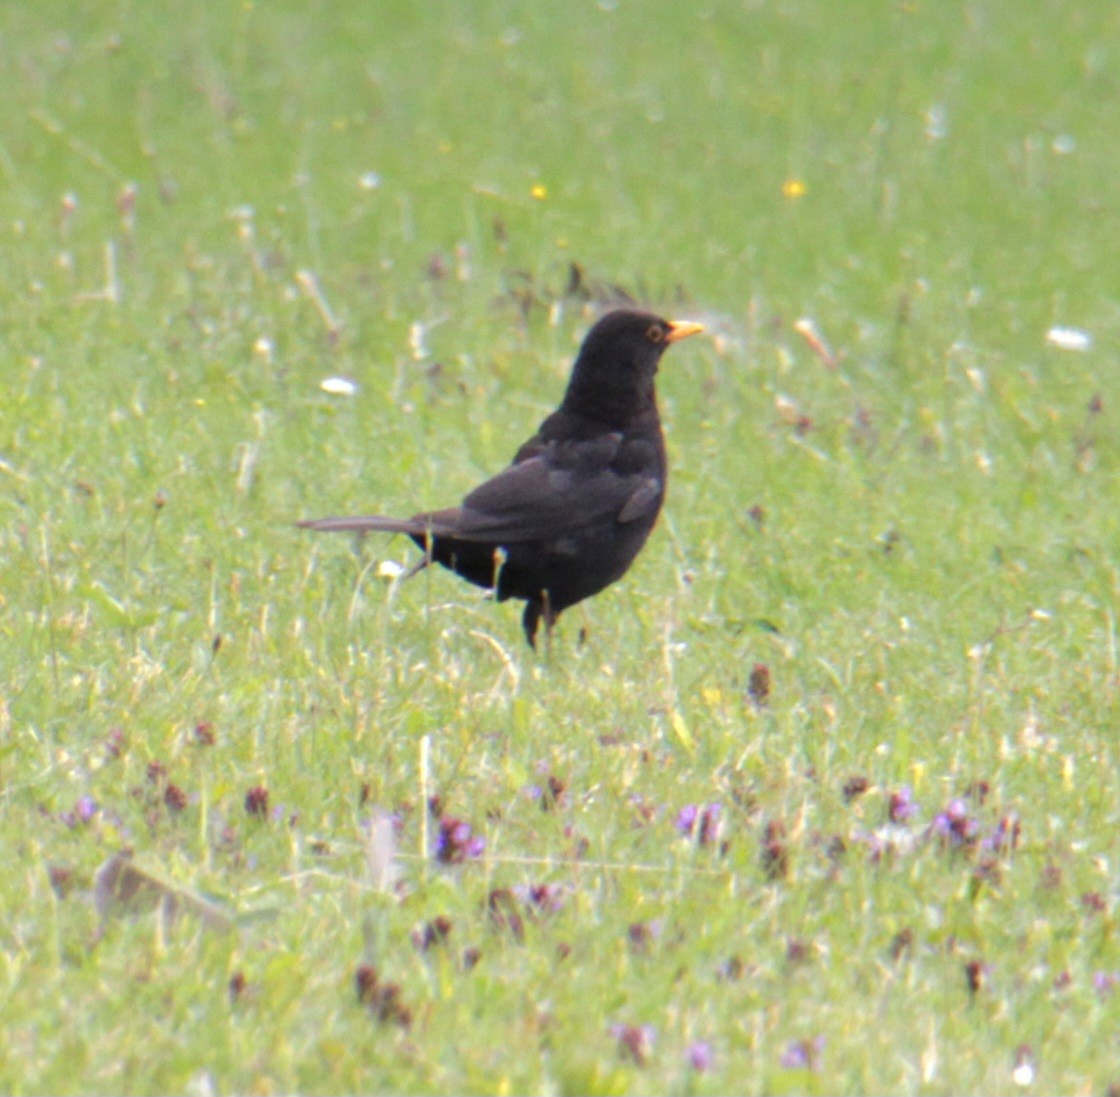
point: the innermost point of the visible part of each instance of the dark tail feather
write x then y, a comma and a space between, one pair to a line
364, 524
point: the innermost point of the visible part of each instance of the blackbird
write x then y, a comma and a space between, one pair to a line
568, 516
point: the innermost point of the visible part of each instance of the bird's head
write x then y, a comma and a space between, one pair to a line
612, 380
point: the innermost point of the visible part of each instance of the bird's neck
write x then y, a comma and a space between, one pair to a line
619, 407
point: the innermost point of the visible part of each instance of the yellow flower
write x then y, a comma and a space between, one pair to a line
539, 191
793, 188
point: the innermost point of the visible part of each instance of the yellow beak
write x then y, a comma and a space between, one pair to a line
680, 329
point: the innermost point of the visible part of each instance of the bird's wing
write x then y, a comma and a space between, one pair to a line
562, 487
555, 493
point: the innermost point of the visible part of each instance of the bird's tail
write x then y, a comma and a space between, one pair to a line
369, 523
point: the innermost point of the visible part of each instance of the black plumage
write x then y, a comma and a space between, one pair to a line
568, 516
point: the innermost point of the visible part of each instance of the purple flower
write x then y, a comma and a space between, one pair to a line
953, 825
686, 819
546, 898
707, 815
641, 935
85, 809
456, 843
700, 1056
803, 1054
634, 1041
902, 806
256, 801
1104, 982
1005, 836
709, 823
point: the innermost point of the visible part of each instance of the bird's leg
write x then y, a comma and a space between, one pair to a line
424, 560
549, 621
536, 610
584, 633
530, 619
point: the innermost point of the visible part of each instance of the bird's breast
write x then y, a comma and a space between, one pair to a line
639, 455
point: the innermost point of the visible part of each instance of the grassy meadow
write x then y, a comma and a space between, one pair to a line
823, 797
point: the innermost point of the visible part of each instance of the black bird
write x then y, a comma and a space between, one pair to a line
567, 518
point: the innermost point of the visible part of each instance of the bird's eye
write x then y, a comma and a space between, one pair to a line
655, 333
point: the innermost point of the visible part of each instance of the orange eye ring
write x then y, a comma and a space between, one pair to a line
655, 333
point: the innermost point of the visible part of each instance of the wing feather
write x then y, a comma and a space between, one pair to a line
556, 493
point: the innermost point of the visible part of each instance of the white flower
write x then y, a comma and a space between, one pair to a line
339, 386
1069, 339
388, 570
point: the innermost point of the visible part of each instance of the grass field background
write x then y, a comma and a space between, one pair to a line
827, 800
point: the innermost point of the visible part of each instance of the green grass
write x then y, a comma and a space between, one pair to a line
931, 580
